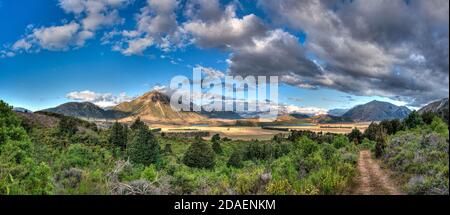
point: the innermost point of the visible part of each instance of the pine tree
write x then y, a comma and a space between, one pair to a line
144, 148
137, 124
119, 135
413, 120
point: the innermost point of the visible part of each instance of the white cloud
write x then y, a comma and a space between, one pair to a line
21, 44
136, 46
100, 99
210, 72
303, 110
225, 31
56, 37
90, 16
156, 24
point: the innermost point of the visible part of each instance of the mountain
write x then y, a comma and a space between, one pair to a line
436, 107
337, 112
21, 110
86, 110
155, 107
221, 115
376, 111
326, 118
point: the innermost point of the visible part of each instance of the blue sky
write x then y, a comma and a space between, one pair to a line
47, 66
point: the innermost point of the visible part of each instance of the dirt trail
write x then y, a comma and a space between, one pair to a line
372, 180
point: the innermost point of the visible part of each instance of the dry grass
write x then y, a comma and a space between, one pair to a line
249, 133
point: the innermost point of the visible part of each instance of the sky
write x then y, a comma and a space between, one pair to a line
327, 54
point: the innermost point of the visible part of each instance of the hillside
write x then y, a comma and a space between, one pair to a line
155, 107
438, 107
337, 112
376, 111
86, 110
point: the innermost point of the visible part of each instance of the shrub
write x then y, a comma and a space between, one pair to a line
67, 126
380, 142
340, 141
371, 131
279, 187
247, 182
144, 148
355, 136
199, 155
235, 159
150, 173
168, 149
216, 147
428, 117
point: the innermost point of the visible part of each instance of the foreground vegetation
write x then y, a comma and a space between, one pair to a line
74, 157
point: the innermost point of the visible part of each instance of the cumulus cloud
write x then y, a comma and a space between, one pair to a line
156, 24
90, 15
100, 99
56, 37
223, 29
402, 54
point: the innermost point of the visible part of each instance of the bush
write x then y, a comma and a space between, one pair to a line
248, 181
371, 131
199, 155
144, 148
216, 147
67, 126
340, 141
168, 149
279, 187
355, 136
380, 145
150, 173
235, 159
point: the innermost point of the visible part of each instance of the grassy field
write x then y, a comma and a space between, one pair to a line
249, 133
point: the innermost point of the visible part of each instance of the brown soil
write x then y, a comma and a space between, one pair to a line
372, 180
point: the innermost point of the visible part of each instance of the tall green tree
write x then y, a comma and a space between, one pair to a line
413, 120
118, 136
144, 148
371, 131
138, 124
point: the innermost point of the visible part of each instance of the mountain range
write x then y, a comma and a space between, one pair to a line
154, 107
86, 110
377, 111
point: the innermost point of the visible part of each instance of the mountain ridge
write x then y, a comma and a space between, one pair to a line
376, 111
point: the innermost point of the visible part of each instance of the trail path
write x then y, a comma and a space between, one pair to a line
372, 180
